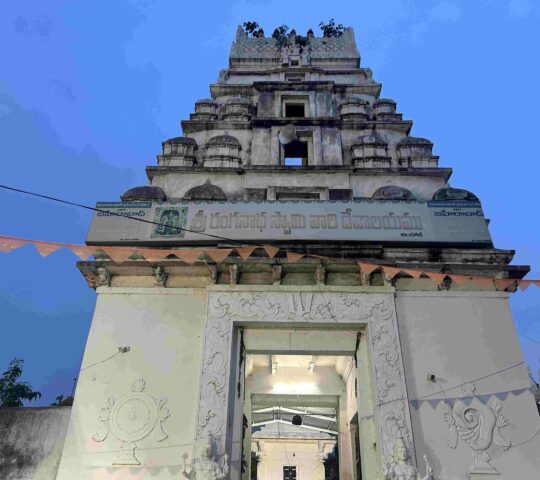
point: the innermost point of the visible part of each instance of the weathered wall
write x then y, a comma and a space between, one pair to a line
463, 337
164, 330
31, 441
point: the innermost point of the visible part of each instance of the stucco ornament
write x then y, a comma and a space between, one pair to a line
206, 465
130, 419
374, 310
400, 468
480, 427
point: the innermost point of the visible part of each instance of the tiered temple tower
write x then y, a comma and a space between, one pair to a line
296, 151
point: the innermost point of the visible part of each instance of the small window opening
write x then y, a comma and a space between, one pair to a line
298, 196
295, 78
295, 154
294, 63
289, 472
294, 110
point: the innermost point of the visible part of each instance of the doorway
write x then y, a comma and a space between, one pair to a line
300, 408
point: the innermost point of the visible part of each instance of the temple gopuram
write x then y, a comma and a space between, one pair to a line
329, 305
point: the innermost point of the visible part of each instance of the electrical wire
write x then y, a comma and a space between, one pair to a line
108, 212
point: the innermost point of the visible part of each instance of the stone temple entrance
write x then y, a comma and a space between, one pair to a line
353, 336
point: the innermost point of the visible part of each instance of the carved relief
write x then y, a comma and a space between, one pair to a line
130, 419
312, 307
276, 274
101, 277
393, 407
320, 275
480, 427
206, 465
400, 467
160, 276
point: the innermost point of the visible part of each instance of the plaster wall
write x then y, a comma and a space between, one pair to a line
464, 337
306, 455
164, 330
423, 188
31, 442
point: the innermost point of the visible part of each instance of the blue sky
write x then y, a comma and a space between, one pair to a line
88, 90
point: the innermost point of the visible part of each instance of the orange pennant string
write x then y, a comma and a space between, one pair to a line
436, 277
7, 244
504, 283
483, 282
293, 257
119, 254
460, 279
189, 256
413, 273
391, 271
154, 254
218, 254
46, 248
81, 251
368, 268
271, 251
245, 252
524, 284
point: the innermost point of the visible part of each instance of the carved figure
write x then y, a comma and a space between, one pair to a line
160, 276
292, 53
479, 427
400, 467
103, 277
206, 466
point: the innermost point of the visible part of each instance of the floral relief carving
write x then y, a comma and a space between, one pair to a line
480, 427
390, 380
130, 419
376, 310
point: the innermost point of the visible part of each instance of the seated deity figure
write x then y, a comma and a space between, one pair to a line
205, 466
292, 53
400, 468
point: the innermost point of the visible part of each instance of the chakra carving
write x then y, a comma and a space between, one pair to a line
375, 310
130, 419
479, 427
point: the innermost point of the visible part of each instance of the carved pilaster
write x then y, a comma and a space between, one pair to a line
391, 392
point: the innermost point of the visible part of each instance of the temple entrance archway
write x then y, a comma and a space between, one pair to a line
359, 325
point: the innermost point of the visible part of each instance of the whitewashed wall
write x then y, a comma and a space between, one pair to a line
164, 330
460, 337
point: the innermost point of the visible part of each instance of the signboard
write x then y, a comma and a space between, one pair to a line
361, 220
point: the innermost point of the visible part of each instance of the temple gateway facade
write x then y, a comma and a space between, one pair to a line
291, 334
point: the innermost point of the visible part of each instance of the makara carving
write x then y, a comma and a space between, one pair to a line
480, 427
400, 468
131, 419
206, 465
